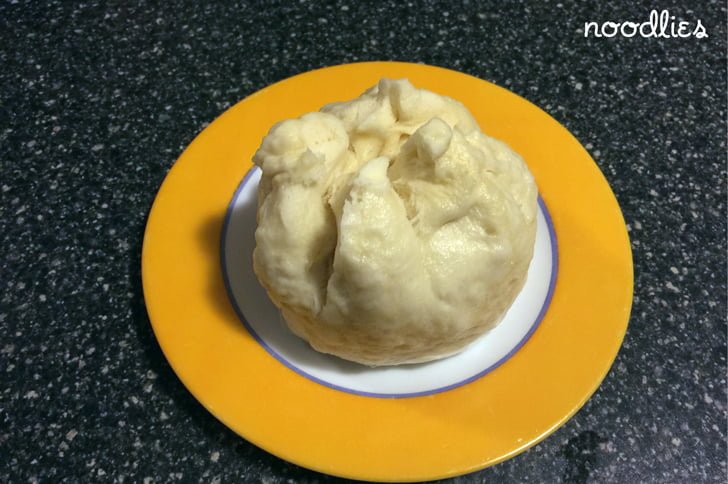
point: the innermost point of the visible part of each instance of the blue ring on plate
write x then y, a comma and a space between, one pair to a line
241, 316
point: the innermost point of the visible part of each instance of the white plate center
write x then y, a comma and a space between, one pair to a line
263, 320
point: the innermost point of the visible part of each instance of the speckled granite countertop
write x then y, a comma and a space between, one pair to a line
97, 101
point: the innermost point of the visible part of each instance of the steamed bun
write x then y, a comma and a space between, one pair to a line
390, 228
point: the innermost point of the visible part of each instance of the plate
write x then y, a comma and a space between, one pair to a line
505, 393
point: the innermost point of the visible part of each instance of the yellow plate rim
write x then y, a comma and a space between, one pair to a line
316, 428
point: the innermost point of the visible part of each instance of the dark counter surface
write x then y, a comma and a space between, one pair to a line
98, 99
